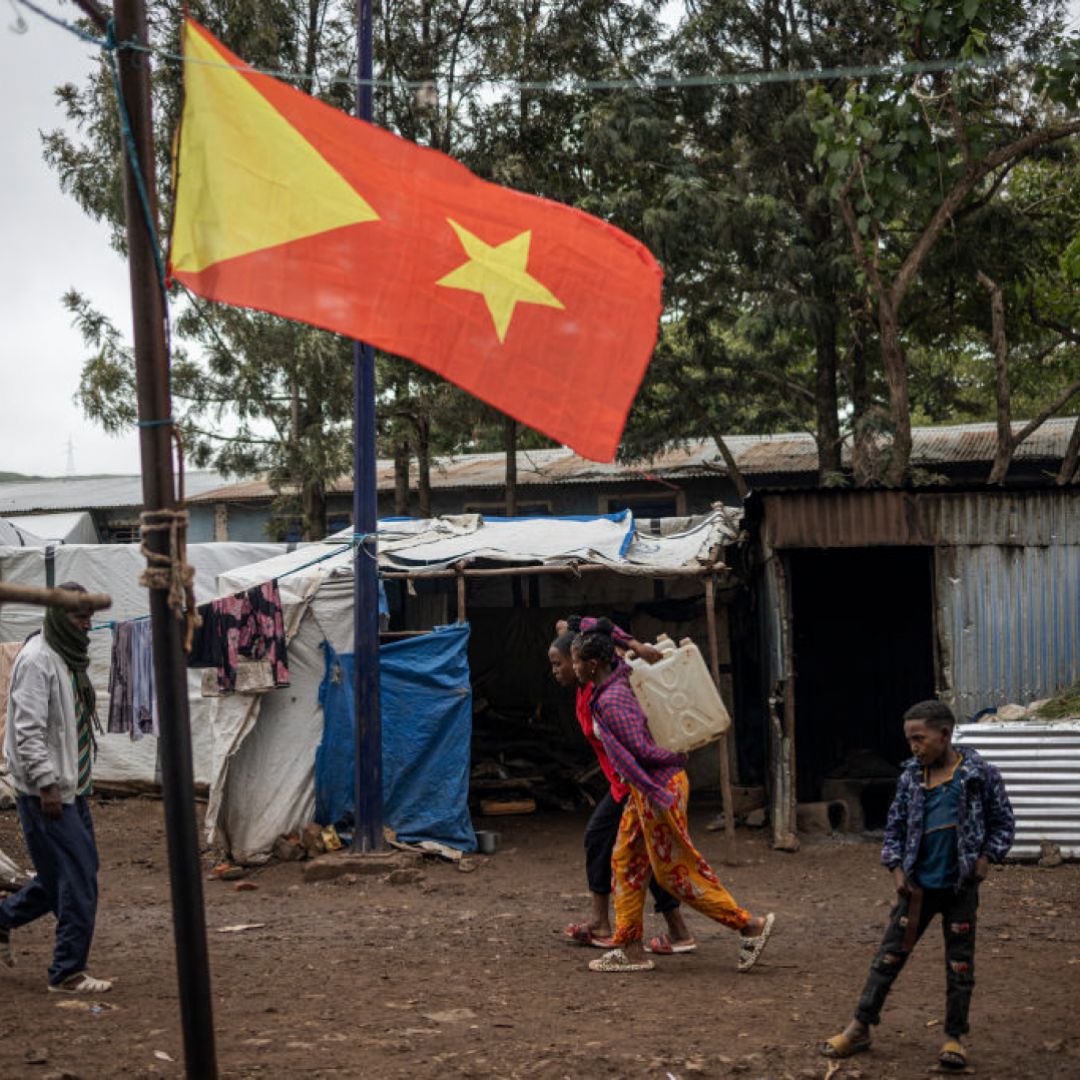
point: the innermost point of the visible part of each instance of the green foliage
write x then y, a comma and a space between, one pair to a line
1063, 706
772, 307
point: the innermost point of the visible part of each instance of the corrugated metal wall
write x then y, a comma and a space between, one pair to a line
1040, 764
1008, 623
1007, 577
830, 518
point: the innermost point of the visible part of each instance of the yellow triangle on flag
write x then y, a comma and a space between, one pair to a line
248, 179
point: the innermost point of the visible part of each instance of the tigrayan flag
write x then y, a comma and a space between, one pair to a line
287, 205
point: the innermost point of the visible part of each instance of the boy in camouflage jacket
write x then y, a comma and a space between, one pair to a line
950, 819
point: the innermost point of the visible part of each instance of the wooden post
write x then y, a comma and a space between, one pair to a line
785, 838
725, 760
159, 498
460, 570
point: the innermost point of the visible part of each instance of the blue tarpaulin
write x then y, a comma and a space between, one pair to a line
426, 738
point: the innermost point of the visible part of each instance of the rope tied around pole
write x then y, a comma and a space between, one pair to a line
171, 572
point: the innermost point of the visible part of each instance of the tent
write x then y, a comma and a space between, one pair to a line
265, 747
13, 535
76, 527
114, 569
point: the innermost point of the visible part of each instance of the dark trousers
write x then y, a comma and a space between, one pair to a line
957, 908
66, 860
600, 834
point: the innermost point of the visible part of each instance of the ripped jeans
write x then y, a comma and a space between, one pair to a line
957, 908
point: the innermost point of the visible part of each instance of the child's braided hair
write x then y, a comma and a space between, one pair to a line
596, 643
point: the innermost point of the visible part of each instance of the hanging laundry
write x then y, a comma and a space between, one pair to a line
119, 720
132, 701
8, 651
144, 714
249, 626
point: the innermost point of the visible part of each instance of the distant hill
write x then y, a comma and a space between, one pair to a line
13, 477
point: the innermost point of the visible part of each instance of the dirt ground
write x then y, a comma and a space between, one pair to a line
468, 974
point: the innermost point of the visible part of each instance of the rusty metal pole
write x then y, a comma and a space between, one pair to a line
155, 447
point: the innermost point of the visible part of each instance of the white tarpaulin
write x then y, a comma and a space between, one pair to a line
263, 746
73, 528
521, 540
609, 539
10, 874
115, 569
12, 535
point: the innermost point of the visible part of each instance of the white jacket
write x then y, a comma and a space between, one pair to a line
41, 742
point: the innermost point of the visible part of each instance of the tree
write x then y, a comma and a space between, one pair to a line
909, 160
763, 318
281, 387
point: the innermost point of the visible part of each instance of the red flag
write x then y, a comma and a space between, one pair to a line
287, 205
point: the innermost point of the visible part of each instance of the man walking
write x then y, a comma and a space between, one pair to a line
48, 745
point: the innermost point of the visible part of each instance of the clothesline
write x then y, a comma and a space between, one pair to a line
113, 623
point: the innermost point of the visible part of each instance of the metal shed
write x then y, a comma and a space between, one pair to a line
977, 587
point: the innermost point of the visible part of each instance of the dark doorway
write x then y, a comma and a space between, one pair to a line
863, 641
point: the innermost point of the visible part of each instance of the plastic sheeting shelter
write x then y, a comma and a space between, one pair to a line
12, 535
264, 747
426, 738
115, 569
75, 528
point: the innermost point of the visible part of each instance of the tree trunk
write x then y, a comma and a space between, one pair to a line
825, 401
401, 478
896, 377
510, 445
1006, 444
862, 456
313, 509
423, 466
1070, 465
742, 489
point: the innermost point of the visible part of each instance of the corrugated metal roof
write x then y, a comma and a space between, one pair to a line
780, 455
88, 493
1040, 764
844, 518
756, 455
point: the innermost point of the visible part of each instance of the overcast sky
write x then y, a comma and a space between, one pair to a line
49, 245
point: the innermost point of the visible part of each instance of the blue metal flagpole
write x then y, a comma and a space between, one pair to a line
367, 722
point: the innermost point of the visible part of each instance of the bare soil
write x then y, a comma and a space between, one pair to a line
469, 975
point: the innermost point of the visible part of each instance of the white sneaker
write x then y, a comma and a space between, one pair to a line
81, 984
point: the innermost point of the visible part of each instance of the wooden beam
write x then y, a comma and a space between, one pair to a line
573, 569
66, 599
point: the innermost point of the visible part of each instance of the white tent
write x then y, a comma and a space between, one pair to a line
115, 569
12, 535
76, 527
263, 746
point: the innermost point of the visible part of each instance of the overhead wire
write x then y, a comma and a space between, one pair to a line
572, 84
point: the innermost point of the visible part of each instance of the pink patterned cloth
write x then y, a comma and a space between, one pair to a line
247, 625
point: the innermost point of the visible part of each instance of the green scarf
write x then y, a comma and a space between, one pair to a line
73, 645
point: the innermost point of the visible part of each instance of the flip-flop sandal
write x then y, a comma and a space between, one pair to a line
662, 945
750, 949
841, 1046
952, 1056
581, 934
618, 961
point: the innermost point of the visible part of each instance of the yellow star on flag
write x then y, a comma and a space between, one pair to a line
499, 274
